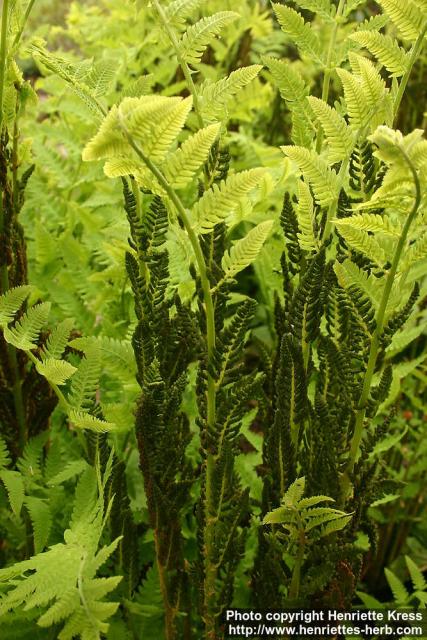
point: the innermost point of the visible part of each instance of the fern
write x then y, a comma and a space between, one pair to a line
62, 580
181, 166
58, 340
306, 218
221, 201
197, 37
24, 334
214, 97
245, 250
302, 34
317, 172
11, 302
41, 520
408, 18
14, 485
385, 49
338, 135
56, 371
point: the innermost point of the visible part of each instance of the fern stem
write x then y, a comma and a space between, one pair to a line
18, 36
416, 50
3, 51
211, 569
328, 71
184, 66
376, 338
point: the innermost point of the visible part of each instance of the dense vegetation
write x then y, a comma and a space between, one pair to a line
213, 261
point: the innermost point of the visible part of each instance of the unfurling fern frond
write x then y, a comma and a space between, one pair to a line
24, 334
197, 37
180, 167
338, 134
302, 34
11, 302
245, 250
316, 171
221, 200
385, 49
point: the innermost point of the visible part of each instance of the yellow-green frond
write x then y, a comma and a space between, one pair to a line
305, 214
56, 371
363, 242
293, 24
24, 334
198, 36
409, 18
245, 250
372, 223
181, 167
214, 96
11, 302
385, 49
339, 136
316, 171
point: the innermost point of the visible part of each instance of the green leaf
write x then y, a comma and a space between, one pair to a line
215, 96
222, 200
416, 574
362, 241
316, 171
25, 333
14, 483
338, 134
84, 420
385, 49
245, 250
397, 587
407, 17
306, 218
302, 34
198, 36
4, 454
11, 302
41, 520
58, 340
72, 469
294, 494
56, 371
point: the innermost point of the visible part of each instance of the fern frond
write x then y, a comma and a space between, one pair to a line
408, 18
198, 36
305, 216
350, 275
338, 134
11, 302
398, 589
41, 520
293, 90
14, 485
56, 371
416, 574
108, 141
354, 98
385, 49
245, 250
293, 24
5, 459
362, 241
24, 334
374, 89
58, 340
372, 223
223, 199
215, 96
316, 171
85, 381
84, 420
323, 8
180, 167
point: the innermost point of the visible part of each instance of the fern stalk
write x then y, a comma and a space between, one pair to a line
184, 66
211, 569
416, 50
24, 22
4, 21
328, 71
375, 342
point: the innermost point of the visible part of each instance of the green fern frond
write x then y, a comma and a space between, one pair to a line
398, 589
223, 199
198, 36
24, 334
180, 167
372, 223
215, 96
354, 98
374, 89
305, 215
245, 250
316, 171
41, 520
323, 8
417, 576
350, 275
294, 91
84, 420
385, 49
11, 302
85, 381
58, 340
5, 459
408, 18
176, 11
363, 242
56, 371
293, 24
14, 485
338, 134
108, 141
